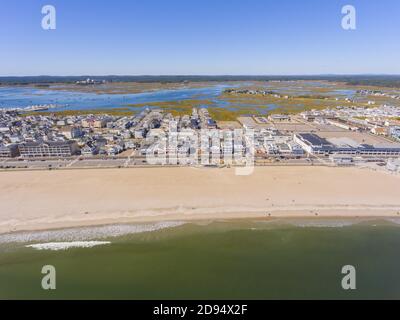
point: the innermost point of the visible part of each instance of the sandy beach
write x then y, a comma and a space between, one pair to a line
37, 200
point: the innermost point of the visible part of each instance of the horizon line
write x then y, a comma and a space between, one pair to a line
206, 75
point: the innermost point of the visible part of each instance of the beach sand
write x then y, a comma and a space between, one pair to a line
37, 200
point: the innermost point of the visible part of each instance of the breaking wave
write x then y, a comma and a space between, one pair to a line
55, 246
86, 233
394, 220
324, 223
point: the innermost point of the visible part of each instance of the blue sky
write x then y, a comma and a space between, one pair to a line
203, 37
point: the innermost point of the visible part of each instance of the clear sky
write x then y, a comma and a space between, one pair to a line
202, 37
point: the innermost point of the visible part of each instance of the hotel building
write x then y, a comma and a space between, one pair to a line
48, 149
9, 151
314, 144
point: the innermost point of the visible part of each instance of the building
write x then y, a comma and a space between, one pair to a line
309, 117
4, 129
71, 132
279, 117
140, 133
395, 132
76, 132
342, 159
93, 123
311, 143
113, 150
9, 151
295, 148
342, 124
48, 149
314, 144
89, 151
379, 131
211, 124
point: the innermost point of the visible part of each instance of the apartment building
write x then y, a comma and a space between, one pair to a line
9, 151
48, 149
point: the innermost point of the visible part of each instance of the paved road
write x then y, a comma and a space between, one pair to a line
123, 162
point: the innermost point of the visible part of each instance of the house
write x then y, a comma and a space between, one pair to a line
113, 150
4, 129
315, 144
89, 151
76, 132
140, 133
279, 117
379, 131
395, 132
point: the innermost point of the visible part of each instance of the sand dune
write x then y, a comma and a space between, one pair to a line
54, 199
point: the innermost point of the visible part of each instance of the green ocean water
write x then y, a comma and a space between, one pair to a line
219, 260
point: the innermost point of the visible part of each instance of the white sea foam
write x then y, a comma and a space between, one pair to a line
323, 223
86, 233
55, 246
393, 220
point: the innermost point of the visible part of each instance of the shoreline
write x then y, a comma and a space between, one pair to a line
48, 200
92, 235
322, 214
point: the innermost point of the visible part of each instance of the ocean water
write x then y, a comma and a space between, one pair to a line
290, 259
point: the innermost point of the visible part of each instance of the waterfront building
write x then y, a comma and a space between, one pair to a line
9, 151
48, 149
314, 144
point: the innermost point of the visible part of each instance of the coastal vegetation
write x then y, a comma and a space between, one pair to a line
189, 103
218, 113
221, 114
289, 103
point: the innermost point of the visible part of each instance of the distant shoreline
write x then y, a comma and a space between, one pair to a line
372, 79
